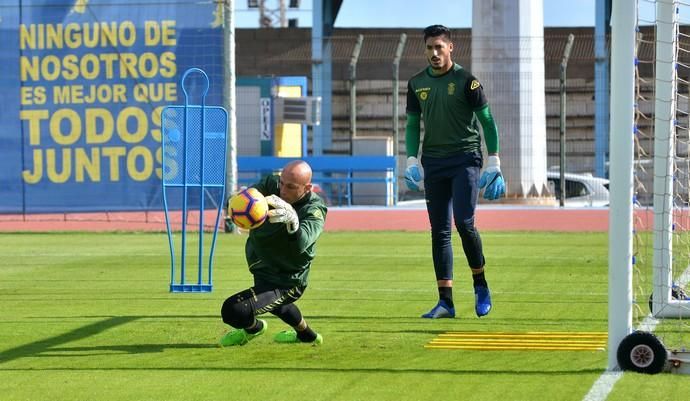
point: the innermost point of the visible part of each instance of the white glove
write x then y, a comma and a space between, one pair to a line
414, 175
282, 212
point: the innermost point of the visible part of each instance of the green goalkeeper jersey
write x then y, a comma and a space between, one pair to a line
283, 259
447, 104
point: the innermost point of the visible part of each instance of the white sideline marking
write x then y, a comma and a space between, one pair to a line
602, 387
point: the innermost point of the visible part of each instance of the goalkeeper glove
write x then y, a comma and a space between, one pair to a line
414, 175
282, 212
492, 179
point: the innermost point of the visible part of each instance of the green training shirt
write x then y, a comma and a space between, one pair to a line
279, 258
447, 104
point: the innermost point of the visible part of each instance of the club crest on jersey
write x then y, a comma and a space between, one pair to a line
474, 85
423, 93
451, 88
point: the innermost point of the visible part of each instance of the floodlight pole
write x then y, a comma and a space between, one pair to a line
396, 101
229, 93
229, 102
353, 89
564, 68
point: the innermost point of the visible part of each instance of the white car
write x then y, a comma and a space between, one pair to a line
581, 190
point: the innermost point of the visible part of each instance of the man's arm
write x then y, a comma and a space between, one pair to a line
490, 129
310, 228
414, 176
412, 134
474, 92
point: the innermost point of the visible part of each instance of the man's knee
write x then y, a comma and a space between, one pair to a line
466, 228
441, 237
237, 312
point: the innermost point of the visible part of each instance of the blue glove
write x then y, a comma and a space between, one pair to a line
414, 175
492, 179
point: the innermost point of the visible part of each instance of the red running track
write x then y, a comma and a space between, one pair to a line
341, 219
494, 219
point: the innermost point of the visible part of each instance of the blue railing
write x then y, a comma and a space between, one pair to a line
335, 174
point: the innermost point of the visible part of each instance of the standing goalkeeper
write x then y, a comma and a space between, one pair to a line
279, 255
451, 101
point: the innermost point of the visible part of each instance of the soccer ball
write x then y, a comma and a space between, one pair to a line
248, 208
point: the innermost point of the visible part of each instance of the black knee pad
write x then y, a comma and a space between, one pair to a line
237, 312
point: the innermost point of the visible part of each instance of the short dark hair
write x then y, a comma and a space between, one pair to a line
436, 30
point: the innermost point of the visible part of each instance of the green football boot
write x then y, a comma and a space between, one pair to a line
290, 337
240, 336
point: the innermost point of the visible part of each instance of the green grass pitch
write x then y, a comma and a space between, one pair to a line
89, 317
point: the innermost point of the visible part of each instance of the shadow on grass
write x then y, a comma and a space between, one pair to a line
120, 349
51, 346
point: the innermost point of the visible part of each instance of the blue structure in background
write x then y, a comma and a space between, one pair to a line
194, 163
324, 14
601, 87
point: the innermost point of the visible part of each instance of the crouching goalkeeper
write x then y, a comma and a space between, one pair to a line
279, 254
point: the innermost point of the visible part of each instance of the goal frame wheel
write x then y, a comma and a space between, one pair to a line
642, 352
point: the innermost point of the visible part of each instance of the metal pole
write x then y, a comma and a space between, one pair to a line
564, 67
601, 87
283, 15
322, 72
264, 20
229, 96
396, 95
353, 89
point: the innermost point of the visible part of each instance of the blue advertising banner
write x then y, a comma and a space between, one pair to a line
83, 84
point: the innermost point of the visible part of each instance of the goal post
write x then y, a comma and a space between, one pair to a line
637, 348
623, 19
665, 84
